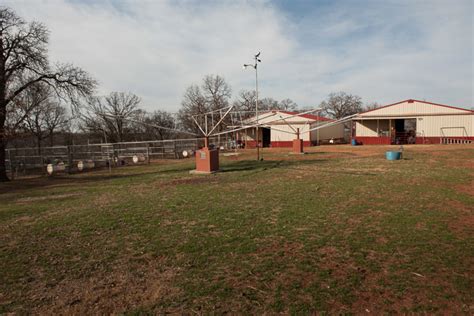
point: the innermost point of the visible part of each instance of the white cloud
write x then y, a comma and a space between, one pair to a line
383, 52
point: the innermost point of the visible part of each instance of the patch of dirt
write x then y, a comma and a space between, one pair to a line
113, 293
420, 226
459, 207
374, 296
466, 188
463, 225
456, 162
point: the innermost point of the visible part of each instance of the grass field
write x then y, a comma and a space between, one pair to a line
340, 229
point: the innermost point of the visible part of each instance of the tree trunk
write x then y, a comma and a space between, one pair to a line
3, 166
51, 139
3, 117
38, 139
3, 142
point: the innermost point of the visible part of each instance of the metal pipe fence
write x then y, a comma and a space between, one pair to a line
33, 160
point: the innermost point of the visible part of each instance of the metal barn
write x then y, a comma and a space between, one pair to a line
414, 122
279, 128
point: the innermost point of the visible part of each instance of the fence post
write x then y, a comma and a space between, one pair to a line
12, 174
69, 159
148, 152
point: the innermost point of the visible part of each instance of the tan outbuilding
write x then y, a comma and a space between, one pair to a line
414, 122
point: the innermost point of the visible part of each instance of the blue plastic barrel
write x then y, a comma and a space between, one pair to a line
354, 142
393, 155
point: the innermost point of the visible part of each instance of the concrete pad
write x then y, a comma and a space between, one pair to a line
202, 172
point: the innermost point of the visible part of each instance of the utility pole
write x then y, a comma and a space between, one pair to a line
255, 66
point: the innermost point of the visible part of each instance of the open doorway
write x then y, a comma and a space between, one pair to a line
405, 131
266, 137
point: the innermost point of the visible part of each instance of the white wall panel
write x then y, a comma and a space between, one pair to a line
446, 125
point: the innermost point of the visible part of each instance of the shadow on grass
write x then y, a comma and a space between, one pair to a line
318, 153
259, 166
43, 181
92, 176
352, 173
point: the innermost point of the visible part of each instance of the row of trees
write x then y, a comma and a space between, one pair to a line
37, 112
40, 99
116, 117
119, 117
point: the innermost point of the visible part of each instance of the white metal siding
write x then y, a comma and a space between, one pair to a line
279, 136
334, 131
446, 125
366, 128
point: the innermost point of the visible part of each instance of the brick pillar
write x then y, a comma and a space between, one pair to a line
298, 143
207, 160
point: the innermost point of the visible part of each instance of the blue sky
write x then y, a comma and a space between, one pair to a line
384, 51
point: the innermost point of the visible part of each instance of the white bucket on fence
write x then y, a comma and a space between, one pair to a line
138, 158
83, 165
51, 169
188, 153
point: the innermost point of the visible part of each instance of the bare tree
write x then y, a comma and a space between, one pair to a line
35, 104
45, 113
245, 103
216, 91
287, 105
341, 104
213, 95
267, 104
159, 118
21, 108
124, 108
193, 103
113, 115
56, 119
372, 106
217, 94
24, 62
